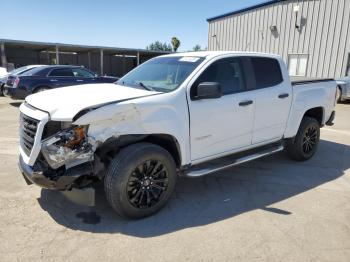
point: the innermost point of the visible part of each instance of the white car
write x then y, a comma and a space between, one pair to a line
3, 71
14, 72
186, 114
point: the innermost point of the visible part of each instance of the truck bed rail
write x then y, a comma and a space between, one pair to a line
310, 81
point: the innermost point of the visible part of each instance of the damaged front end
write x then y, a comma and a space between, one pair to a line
66, 161
69, 147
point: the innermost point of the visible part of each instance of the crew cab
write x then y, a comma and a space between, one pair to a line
188, 114
48, 77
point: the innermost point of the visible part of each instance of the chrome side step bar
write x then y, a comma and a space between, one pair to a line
214, 167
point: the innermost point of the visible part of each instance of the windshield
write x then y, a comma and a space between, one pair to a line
163, 74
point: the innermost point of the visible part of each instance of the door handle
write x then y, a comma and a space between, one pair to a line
246, 103
79, 80
283, 96
53, 80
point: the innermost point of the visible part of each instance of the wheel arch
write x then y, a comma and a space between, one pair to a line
113, 145
316, 113
35, 89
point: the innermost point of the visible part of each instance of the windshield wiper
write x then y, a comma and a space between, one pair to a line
146, 87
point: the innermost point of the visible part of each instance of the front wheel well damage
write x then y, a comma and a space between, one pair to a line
112, 146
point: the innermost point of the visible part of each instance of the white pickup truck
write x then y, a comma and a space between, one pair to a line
186, 114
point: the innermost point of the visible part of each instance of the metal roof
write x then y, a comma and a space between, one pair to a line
72, 47
245, 9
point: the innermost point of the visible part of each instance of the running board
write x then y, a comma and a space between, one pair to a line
226, 162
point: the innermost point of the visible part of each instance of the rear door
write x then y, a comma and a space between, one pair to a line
221, 125
272, 97
60, 77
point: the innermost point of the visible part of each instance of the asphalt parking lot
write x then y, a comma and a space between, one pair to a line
272, 209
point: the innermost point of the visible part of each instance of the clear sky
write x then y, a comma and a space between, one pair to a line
119, 23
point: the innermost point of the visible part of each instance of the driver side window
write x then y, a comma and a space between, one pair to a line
228, 72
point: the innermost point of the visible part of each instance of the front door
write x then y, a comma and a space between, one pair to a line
221, 125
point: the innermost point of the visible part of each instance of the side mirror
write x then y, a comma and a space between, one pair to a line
208, 90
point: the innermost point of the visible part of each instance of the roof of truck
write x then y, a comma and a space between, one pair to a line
218, 53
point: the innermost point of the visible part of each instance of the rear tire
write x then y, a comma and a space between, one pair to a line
305, 143
140, 180
2, 90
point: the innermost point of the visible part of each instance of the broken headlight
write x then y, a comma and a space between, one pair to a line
68, 147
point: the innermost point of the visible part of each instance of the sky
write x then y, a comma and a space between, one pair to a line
118, 23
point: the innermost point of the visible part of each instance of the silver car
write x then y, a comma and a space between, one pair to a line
343, 90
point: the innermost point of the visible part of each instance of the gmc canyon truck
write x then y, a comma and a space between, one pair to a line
188, 114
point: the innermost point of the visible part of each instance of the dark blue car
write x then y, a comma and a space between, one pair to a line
48, 77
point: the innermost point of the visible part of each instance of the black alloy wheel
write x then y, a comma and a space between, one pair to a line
147, 183
310, 139
140, 180
304, 145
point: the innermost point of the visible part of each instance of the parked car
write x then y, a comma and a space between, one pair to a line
14, 73
3, 71
49, 77
343, 89
188, 114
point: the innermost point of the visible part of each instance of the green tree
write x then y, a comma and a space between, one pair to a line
158, 46
175, 43
197, 48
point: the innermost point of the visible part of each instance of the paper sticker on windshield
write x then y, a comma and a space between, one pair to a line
191, 59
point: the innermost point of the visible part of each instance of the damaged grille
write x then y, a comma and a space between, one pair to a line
28, 129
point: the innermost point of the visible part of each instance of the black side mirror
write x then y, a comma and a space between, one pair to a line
208, 90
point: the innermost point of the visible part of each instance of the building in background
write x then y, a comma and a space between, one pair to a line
111, 61
312, 36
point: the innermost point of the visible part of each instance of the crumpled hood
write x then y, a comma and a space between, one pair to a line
64, 103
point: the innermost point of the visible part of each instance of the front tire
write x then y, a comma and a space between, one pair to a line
140, 180
305, 143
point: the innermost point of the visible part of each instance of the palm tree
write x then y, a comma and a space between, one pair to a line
197, 48
175, 43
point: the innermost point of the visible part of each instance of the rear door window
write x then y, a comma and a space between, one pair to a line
267, 72
79, 72
67, 72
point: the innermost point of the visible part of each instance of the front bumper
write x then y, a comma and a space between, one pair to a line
15, 93
66, 181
